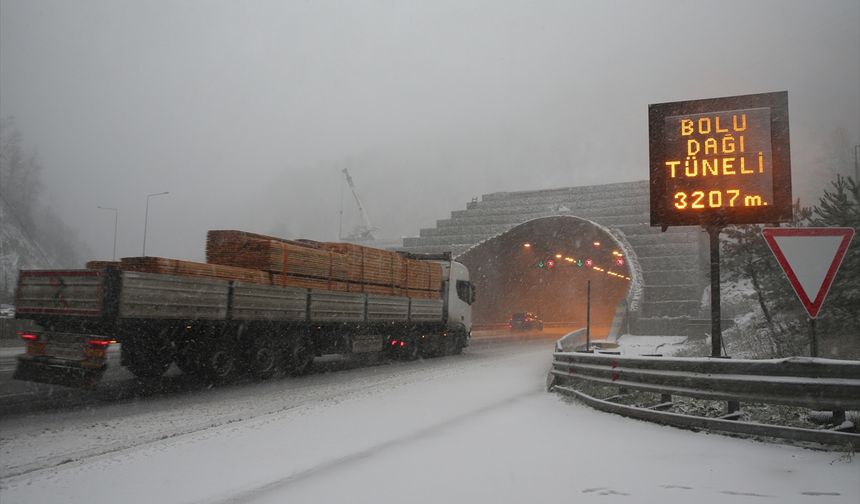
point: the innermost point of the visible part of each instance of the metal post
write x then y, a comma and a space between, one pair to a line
115, 222
716, 330
838, 417
145, 222
340, 218
588, 319
146, 218
733, 407
813, 341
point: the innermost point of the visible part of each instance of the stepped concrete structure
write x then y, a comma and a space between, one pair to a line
668, 271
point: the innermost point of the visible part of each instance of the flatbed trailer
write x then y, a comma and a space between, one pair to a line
216, 328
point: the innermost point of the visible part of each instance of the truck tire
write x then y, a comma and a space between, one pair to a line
428, 347
219, 363
147, 356
263, 358
449, 344
188, 358
459, 343
412, 350
145, 369
300, 357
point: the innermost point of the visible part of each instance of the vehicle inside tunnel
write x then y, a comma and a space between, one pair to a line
544, 267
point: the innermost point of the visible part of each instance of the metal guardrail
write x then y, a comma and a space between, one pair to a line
570, 341
821, 384
504, 325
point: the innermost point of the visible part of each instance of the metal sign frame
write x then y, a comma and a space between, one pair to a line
664, 214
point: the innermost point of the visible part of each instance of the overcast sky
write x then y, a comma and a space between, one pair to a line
247, 111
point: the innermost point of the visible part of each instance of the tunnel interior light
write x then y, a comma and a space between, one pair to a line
527, 245
558, 256
570, 259
617, 253
597, 244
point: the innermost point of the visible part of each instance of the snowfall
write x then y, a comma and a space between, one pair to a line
479, 427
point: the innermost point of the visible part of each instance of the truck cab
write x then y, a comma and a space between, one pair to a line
460, 296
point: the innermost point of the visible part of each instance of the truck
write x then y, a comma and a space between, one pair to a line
216, 328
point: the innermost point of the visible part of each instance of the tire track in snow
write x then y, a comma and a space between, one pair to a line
321, 469
325, 390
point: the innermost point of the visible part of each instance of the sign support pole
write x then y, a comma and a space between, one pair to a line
716, 330
588, 319
813, 341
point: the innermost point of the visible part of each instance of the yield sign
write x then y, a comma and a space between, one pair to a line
810, 258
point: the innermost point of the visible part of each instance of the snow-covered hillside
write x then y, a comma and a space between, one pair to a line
18, 250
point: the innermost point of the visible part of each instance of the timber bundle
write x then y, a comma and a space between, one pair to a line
256, 258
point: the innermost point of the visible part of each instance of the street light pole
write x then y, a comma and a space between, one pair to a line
146, 217
115, 220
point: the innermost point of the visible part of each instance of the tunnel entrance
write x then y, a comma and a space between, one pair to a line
543, 266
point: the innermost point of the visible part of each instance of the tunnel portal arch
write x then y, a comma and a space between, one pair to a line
669, 270
543, 266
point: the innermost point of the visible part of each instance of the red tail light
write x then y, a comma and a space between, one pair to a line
26, 336
99, 343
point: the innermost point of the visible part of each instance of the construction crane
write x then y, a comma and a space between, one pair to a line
364, 232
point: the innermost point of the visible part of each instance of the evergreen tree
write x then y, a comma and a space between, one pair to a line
785, 329
840, 315
746, 258
19, 175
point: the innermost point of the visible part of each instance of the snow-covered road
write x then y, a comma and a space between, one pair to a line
472, 428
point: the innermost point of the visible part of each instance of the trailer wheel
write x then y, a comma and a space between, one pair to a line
300, 357
263, 357
147, 356
412, 350
450, 344
188, 358
219, 363
147, 370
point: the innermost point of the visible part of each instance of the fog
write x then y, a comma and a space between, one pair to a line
246, 112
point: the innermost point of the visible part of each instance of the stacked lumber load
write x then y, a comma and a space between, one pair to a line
98, 265
379, 271
291, 258
165, 266
266, 260
371, 270
422, 279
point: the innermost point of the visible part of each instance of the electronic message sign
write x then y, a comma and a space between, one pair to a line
720, 161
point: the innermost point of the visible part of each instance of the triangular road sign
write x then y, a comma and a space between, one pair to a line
810, 258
